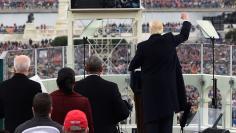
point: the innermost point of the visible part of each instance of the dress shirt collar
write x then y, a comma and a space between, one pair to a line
154, 36
93, 74
19, 75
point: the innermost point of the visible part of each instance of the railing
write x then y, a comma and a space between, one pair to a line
194, 58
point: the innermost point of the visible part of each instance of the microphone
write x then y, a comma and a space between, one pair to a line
184, 117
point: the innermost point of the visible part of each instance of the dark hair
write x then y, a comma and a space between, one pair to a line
42, 104
93, 64
66, 80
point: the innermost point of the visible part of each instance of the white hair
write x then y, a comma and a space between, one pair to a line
21, 63
156, 27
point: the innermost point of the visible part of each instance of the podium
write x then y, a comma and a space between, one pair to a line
209, 124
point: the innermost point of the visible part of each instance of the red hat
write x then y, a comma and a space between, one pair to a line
75, 120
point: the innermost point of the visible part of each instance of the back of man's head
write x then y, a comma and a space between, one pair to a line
94, 65
21, 64
156, 27
42, 104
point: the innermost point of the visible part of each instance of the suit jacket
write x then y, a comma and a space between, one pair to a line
107, 106
163, 90
16, 97
63, 103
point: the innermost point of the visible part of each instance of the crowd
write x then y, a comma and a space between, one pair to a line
222, 59
49, 4
19, 29
16, 29
85, 109
28, 4
234, 108
168, 27
114, 29
50, 60
117, 29
10, 63
189, 4
19, 45
79, 58
117, 57
27, 48
193, 97
211, 110
190, 58
234, 60
120, 59
219, 97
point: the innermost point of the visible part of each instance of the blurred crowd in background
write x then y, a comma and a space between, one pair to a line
189, 3
28, 4
116, 58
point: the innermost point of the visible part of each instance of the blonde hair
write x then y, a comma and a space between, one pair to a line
21, 64
156, 27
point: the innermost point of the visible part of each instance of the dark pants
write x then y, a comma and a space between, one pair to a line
162, 125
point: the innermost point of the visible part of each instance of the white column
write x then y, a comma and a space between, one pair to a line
70, 42
62, 23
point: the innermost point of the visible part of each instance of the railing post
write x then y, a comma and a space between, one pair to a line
35, 61
231, 61
202, 48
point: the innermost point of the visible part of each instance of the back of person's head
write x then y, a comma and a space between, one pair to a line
21, 64
66, 80
76, 122
94, 65
156, 27
42, 104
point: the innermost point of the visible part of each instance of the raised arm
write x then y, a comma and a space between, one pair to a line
185, 30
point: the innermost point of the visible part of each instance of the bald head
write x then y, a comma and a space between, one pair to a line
21, 64
156, 27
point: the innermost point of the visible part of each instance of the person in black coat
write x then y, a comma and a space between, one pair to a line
107, 106
163, 90
16, 95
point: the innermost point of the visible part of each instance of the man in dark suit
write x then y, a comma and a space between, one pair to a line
107, 106
16, 95
163, 91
